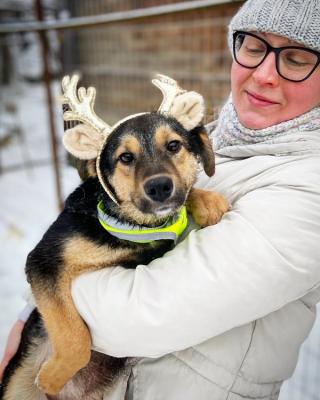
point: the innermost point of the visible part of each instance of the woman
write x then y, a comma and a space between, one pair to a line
223, 315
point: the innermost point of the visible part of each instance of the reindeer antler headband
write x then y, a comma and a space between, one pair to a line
87, 141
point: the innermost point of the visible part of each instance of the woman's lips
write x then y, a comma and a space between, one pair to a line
259, 101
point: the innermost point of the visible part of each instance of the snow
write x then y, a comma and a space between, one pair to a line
28, 201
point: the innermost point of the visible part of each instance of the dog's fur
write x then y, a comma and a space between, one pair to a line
137, 153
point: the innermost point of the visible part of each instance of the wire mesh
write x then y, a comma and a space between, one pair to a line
190, 47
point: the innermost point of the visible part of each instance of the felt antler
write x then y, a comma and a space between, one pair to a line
187, 107
81, 105
170, 90
84, 140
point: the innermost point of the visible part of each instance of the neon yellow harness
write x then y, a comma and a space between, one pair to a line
170, 230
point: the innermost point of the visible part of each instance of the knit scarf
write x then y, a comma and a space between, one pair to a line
230, 132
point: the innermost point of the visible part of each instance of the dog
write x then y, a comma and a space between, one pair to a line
129, 211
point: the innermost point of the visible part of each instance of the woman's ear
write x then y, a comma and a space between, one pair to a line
202, 146
83, 142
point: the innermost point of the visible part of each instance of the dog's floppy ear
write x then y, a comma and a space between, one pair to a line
201, 145
83, 142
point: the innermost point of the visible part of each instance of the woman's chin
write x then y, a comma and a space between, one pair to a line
256, 121
253, 117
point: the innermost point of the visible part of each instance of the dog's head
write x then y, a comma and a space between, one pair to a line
147, 163
150, 163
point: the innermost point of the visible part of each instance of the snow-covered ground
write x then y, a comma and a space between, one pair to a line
28, 202
28, 206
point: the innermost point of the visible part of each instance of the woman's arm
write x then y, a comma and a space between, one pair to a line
12, 344
14, 335
262, 255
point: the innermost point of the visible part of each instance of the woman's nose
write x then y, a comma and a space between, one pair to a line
266, 73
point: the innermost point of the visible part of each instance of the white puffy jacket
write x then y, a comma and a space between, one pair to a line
222, 316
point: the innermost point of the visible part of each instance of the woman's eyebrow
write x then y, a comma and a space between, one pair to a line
287, 41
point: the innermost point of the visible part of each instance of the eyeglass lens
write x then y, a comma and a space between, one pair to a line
293, 63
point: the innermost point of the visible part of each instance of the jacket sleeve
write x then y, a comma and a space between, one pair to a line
263, 254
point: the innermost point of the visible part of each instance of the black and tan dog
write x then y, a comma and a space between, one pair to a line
141, 172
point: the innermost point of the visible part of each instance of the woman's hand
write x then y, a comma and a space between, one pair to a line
12, 345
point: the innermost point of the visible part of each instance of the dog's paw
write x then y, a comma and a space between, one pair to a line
49, 379
206, 208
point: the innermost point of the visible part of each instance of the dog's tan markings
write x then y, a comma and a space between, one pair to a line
61, 318
63, 325
163, 135
205, 138
91, 168
129, 143
81, 255
123, 181
140, 218
184, 163
21, 385
208, 158
85, 168
207, 208
123, 176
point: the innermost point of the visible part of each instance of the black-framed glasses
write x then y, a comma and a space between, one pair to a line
293, 63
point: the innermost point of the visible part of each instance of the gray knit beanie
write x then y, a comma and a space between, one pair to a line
298, 20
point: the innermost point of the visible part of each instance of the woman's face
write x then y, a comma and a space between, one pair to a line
262, 98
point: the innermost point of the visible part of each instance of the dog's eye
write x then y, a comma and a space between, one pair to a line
174, 146
126, 158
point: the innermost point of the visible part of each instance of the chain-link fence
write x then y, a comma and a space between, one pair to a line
189, 46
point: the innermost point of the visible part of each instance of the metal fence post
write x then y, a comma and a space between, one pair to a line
47, 82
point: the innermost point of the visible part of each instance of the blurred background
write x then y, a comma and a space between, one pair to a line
116, 46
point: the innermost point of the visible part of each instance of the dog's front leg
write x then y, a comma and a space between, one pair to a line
70, 340
207, 208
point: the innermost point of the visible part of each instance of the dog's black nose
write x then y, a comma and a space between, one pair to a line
158, 189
